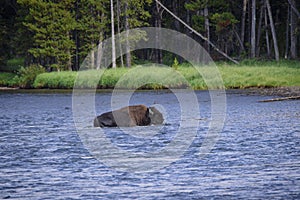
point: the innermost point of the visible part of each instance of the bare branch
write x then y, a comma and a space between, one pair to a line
194, 31
294, 8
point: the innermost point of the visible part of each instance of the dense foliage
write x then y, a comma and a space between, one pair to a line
26, 76
59, 34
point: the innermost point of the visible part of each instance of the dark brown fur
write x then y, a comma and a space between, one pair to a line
137, 115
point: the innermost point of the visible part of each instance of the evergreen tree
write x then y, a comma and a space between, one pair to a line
60, 34
134, 15
7, 20
51, 23
216, 15
92, 22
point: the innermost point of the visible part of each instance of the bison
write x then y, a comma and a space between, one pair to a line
137, 115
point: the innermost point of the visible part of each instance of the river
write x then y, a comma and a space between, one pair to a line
257, 155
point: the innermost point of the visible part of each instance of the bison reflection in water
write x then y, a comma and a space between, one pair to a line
138, 115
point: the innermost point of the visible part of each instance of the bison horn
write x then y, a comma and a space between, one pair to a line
150, 111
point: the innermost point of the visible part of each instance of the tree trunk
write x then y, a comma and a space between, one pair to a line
253, 29
113, 45
99, 56
158, 21
243, 21
293, 7
77, 44
119, 30
99, 52
187, 31
92, 55
127, 45
207, 28
248, 28
261, 15
69, 60
175, 11
273, 31
242, 48
287, 33
293, 32
267, 36
188, 21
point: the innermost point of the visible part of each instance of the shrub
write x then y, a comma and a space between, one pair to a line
6, 79
55, 80
12, 65
26, 76
175, 64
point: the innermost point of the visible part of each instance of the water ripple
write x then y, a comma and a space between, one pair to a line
42, 157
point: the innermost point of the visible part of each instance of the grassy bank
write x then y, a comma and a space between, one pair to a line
246, 77
260, 74
247, 74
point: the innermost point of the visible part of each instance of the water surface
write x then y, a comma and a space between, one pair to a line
256, 157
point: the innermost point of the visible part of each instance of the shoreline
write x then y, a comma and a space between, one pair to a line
8, 89
282, 91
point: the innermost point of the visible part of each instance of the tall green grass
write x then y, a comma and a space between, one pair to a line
253, 73
143, 78
247, 74
55, 80
246, 77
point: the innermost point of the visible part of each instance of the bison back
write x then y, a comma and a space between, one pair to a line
128, 116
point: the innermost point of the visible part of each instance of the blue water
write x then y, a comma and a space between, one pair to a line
256, 157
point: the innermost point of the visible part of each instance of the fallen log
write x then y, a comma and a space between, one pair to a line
281, 99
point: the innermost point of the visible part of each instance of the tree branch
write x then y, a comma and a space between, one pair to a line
194, 31
281, 99
294, 8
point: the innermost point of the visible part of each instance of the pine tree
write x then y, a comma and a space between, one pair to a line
51, 24
215, 14
8, 15
135, 15
92, 21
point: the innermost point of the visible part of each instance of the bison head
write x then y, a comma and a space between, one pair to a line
155, 116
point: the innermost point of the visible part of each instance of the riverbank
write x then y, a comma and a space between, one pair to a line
281, 76
280, 91
276, 91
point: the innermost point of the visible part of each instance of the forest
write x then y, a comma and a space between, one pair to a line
58, 35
